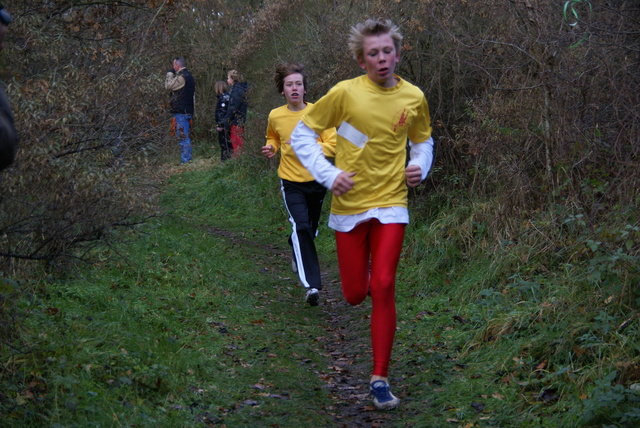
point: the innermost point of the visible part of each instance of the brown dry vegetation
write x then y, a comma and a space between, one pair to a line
84, 92
528, 109
535, 108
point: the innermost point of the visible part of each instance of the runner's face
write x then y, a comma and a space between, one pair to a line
294, 89
379, 59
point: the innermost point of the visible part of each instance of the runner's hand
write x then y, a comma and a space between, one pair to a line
413, 173
268, 151
343, 183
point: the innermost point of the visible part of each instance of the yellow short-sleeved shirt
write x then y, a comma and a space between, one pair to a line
279, 128
374, 124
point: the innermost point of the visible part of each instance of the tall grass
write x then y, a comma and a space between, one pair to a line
552, 315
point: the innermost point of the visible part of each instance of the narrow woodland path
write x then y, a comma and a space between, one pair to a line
346, 346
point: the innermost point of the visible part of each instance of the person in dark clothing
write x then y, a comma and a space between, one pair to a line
8, 133
237, 113
182, 86
222, 106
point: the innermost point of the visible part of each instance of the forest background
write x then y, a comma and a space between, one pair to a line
534, 186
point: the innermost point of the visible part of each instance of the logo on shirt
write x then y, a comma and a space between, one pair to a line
400, 120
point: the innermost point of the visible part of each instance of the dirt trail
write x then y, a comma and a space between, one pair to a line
346, 345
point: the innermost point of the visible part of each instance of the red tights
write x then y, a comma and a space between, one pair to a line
382, 244
237, 139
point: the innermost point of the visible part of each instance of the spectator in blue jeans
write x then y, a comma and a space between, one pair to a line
182, 86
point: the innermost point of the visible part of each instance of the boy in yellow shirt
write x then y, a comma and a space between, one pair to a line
303, 196
375, 115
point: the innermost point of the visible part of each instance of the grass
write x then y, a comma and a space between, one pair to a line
193, 319
186, 328
528, 338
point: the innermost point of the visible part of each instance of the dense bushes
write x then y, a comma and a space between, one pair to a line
534, 106
90, 111
532, 103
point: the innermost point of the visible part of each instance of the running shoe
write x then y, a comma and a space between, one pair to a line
383, 399
312, 297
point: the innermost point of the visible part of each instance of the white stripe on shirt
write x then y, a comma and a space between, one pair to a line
351, 134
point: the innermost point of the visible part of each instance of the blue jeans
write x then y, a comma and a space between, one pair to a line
182, 125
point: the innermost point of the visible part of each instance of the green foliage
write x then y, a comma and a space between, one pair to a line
570, 9
611, 404
10, 294
550, 314
197, 323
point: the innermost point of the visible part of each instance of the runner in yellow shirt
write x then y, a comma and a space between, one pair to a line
376, 115
303, 196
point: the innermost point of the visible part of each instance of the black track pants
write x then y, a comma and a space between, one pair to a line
304, 204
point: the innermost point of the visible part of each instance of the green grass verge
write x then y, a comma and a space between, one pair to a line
190, 327
539, 332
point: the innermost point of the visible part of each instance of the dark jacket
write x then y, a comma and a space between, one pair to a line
8, 133
181, 101
237, 113
222, 106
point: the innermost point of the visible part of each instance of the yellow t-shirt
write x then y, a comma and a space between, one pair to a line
373, 125
279, 128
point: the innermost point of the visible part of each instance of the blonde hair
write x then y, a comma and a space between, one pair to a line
372, 27
235, 76
220, 87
